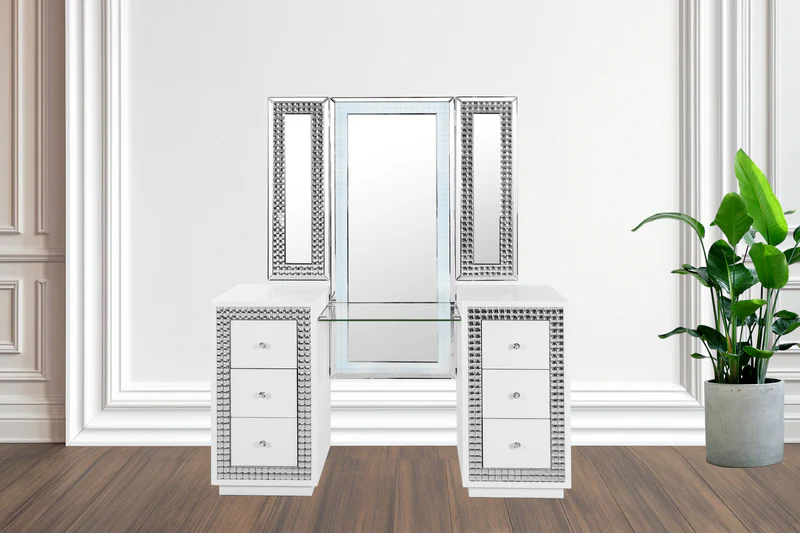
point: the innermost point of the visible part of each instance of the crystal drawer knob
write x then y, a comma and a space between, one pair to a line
262, 345
515, 396
262, 394
515, 445
263, 444
515, 346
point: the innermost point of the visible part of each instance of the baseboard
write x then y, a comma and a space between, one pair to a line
24, 419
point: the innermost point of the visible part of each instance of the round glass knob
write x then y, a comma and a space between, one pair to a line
262, 394
263, 444
515, 346
515, 445
262, 345
515, 396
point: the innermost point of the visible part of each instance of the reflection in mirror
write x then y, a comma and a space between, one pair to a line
486, 183
391, 173
298, 188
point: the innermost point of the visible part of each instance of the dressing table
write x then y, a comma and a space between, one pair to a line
392, 253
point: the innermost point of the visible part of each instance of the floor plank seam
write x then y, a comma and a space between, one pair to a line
566, 516
613, 496
766, 488
720, 498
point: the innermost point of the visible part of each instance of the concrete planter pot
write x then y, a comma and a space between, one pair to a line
744, 424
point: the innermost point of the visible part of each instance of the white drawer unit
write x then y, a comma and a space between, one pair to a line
263, 393
264, 343
516, 394
264, 442
513, 392
516, 443
516, 344
271, 393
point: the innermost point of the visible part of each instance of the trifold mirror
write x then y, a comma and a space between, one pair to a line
422, 193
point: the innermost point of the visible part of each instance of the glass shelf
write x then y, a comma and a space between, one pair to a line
390, 312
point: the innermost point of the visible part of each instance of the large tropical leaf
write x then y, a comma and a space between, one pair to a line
678, 331
788, 315
699, 356
758, 354
796, 234
792, 255
744, 308
695, 224
770, 264
784, 326
732, 218
714, 338
750, 237
762, 205
700, 274
723, 270
788, 346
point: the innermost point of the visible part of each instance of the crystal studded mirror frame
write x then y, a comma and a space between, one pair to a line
278, 268
467, 268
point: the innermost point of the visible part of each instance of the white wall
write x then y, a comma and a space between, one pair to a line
599, 128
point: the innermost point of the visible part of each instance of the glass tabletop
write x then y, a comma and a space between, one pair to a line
390, 312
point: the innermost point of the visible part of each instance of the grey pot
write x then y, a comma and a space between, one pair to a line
744, 424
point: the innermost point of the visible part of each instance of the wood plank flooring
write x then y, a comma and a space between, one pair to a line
52, 488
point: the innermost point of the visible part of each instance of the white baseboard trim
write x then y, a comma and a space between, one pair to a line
31, 419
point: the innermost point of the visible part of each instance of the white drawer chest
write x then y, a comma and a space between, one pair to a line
271, 393
271, 400
513, 392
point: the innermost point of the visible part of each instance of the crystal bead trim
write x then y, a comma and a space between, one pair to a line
505, 269
278, 265
557, 471
223, 446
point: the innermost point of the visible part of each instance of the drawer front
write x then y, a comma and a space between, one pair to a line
516, 443
263, 344
263, 393
516, 393
263, 442
515, 344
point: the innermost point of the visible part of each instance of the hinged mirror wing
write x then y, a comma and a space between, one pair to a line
297, 190
487, 189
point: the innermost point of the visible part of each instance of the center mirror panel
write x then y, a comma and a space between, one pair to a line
392, 189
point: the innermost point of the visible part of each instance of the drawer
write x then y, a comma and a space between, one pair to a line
263, 442
516, 443
515, 344
516, 393
263, 344
263, 393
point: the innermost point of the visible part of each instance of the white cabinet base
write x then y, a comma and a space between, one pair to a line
516, 493
243, 490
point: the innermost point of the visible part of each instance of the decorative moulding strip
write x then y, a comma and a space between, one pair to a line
16, 130
21, 255
42, 363
41, 123
12, 345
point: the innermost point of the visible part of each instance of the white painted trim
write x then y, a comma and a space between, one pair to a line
42, 182
32, 255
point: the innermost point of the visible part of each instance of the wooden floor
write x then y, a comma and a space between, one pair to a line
51, 488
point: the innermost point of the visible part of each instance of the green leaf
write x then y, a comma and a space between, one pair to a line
699, 356
723, 268
732, 218
792, 256
750, 237
678, 331
762, 205
697, 226
789, 346
744, 308
703, 281
771, 265
796, 234
758, 354
784, 326
714, 338
788, 315
790, 212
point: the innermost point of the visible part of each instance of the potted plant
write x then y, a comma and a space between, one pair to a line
743, 408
